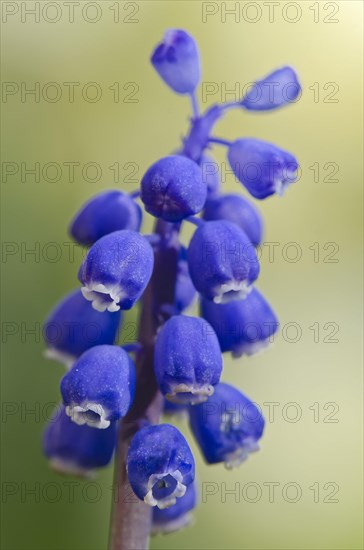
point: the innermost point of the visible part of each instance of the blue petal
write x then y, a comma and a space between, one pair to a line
262, 167
243, 326
117, 270
173, 189
222, 261
100, 386
75, 326
239, 210
187, 359
273, 91
77, 450
176, 517
107, 212
227, 427
160, 465
177, 61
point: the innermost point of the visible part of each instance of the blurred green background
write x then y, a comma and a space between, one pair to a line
311, 379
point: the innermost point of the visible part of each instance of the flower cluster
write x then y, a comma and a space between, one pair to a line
220, 266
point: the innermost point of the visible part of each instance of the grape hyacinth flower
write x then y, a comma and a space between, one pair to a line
176, 517
77, 450
176, 356
160, 465
242, 326
223, 262
177, 61
173, 189
116, 270
236, 209
105, 213
187, 359
74, 326
227, 427
277, 89
263, 168
100, 387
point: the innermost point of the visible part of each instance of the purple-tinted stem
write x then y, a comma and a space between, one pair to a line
195, 106
197, 140
220, 141
231, 105
131, 518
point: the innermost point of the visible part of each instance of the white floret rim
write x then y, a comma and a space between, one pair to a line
169, 500
239, 291
251, 349
78, 414
198, 394
95, 292
68, 467
234, 459
281, 186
